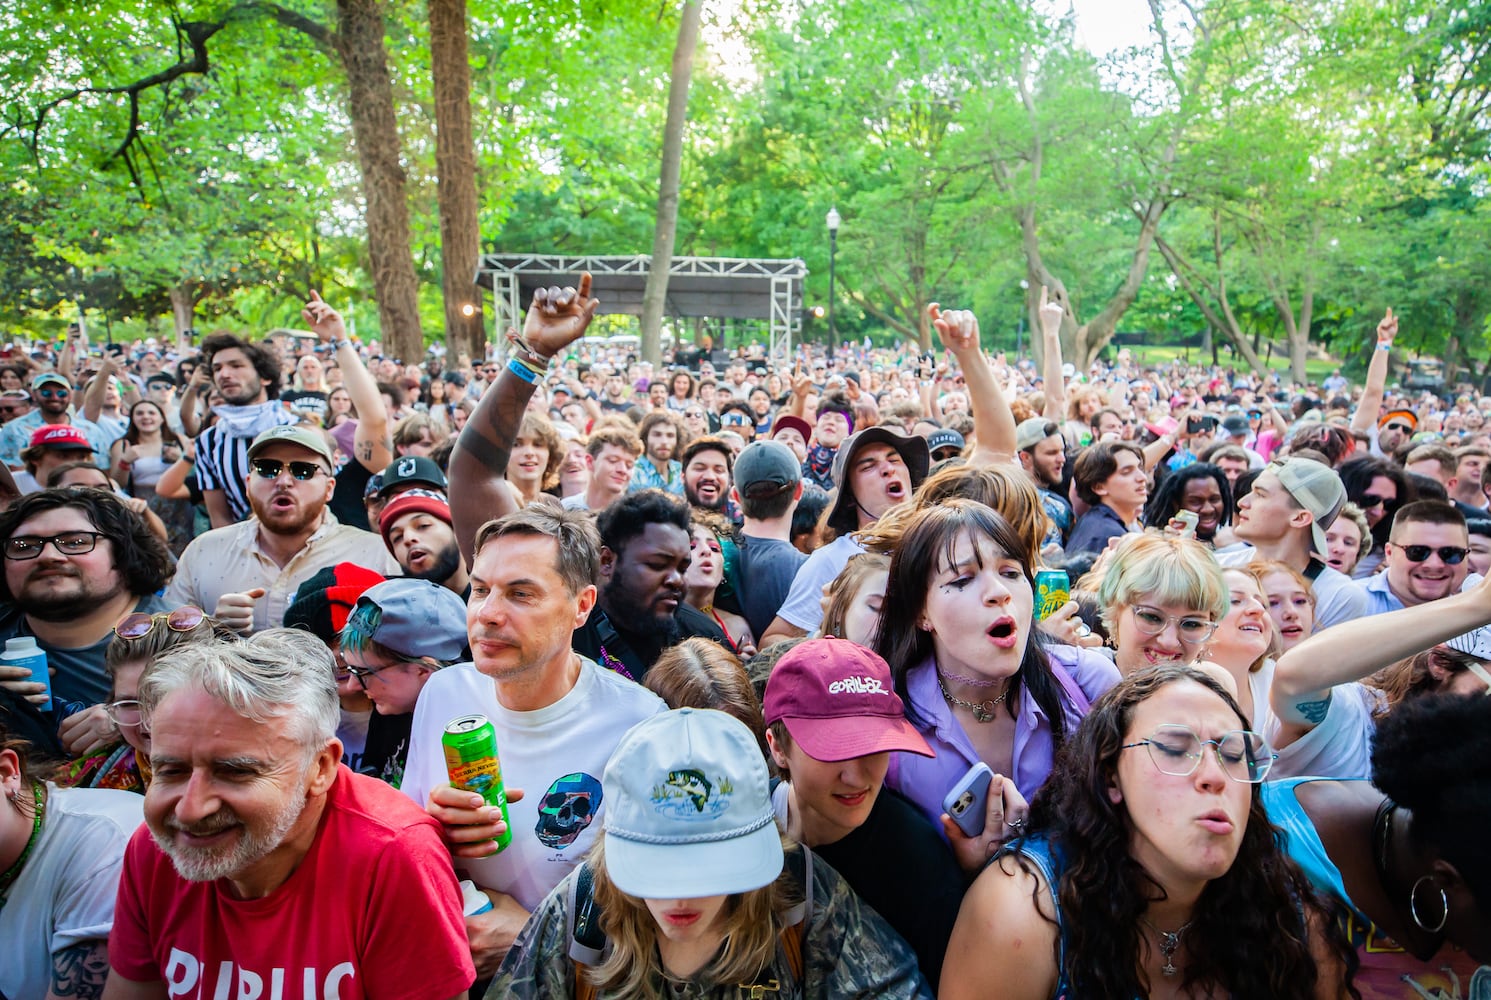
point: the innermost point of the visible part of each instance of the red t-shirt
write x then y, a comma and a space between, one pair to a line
372, 911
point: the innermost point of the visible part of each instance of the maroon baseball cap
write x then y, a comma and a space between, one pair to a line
838, 702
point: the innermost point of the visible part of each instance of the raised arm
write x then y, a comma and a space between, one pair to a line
93, 396
1304, 676
478, 464
372, 446
993, 421
1050, 315
1370, 406
187, 408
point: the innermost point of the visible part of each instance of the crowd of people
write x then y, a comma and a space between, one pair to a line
876, 674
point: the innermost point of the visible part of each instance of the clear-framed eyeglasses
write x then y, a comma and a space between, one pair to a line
1243, 755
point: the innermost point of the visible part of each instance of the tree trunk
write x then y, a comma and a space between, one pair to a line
656, 294
455, 162
359, 42
183, 309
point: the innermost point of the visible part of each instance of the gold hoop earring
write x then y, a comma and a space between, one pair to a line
1413, 907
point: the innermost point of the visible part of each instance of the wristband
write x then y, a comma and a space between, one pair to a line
522, 371
337, 345
1384, 346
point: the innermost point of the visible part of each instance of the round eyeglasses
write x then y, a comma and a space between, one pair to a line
140, 624
126, 714
1190, 628
1243, 755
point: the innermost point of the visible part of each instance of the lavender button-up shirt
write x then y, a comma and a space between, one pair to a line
925, 780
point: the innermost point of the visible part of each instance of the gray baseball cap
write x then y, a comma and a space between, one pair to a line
1317, 489
412, 617
766, 468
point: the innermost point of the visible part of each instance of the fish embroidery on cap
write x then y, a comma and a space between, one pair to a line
690, 794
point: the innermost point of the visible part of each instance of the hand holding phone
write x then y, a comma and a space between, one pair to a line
968, 803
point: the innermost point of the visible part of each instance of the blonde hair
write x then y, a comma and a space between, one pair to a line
1162, 569
632, 968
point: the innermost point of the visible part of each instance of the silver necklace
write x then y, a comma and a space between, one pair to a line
983, 711
1169, 944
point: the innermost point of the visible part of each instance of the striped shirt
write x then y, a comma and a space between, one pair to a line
222, 462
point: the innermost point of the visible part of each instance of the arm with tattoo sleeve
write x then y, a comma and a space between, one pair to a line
478, 463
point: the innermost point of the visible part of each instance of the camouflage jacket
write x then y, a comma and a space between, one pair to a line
849, 951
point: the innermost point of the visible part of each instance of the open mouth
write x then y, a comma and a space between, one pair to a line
895, 490
1004, 632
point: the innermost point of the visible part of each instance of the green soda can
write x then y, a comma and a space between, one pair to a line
1052, 591
470, 745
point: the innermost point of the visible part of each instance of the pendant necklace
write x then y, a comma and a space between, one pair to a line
1169, 943
982, 711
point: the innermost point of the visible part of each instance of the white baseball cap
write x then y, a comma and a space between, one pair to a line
688, 810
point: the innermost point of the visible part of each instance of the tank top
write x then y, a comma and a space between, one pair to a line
1387, 971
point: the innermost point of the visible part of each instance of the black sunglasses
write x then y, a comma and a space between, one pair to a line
1370, 500
1451, 555
1398, 427
270, 468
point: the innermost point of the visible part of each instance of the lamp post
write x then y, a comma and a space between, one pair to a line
833, 221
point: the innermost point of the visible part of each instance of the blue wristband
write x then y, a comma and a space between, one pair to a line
1384, 346
522, 372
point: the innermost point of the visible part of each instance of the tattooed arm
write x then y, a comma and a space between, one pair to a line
1351, 651
372, 446
478, 463
80, 971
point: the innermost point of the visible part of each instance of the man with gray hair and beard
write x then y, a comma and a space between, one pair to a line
265, 866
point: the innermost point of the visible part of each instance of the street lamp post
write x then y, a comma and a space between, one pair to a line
833, 251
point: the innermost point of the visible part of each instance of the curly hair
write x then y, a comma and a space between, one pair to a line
1254, 909
1450, 800
264, 357
628, 517
142, 559
537, 428
927, 544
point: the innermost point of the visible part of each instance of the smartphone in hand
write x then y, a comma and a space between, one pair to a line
968, 803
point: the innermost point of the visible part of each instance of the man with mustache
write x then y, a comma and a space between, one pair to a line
76, 561
252, 818
640, 610
248, 378
247, 573
416, 525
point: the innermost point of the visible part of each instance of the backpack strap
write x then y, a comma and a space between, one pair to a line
582, 917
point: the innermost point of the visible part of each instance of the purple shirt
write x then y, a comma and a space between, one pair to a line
925, 780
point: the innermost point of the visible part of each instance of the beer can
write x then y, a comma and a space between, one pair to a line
1052, 591
470, 745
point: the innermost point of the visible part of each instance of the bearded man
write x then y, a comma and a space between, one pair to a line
247, 573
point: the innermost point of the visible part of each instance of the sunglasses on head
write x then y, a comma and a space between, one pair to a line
1450, 555
140, 624
270, 468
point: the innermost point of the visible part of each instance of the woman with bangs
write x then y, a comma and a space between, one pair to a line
1162, 599
957, 630
1151, 868
1011, 493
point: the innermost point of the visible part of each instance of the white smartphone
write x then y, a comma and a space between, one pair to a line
1190, 519
968, 802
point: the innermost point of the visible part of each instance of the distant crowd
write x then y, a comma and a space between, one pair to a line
879, 673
